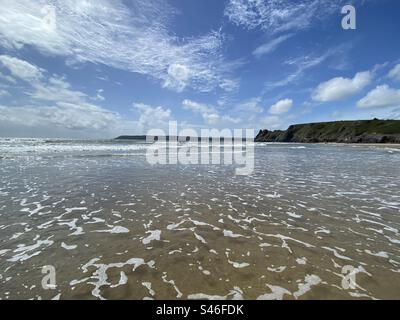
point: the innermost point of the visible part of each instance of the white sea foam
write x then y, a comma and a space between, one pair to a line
228, 233
239, 265
302, 260
115, 229
293, 215
99, 277
4, 251
68, 247
335, 252
148, 287
277, 269
381, 254
235, 294
72, 225
200, 238
276, 294
24, 252
172, 282
154, 235
309, 281
21, 147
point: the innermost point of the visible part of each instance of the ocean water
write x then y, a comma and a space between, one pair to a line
115, 227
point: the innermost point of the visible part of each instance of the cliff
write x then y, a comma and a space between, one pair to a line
361, 131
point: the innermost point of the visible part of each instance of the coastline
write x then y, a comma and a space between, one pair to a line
373, 131
392, 145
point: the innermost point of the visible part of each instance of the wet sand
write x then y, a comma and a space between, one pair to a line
115, 227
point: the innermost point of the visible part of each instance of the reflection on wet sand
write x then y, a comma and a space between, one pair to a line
117, 228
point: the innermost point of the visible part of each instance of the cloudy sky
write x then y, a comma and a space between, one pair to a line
86, 69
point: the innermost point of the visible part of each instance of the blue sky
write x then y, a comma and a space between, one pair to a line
88, 69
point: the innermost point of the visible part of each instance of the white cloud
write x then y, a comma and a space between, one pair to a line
62, 115
276, 16
281, 106
56, 89
246, 114
250, 106
53, 88
4, 93
211, 118
152, 117
271, 122
53, 104
196, 106
229, 85
108, 32
99, 95
178, 77
7, 78
304, 63
231, 119
209, 114
395, 72
21, 69
380, 97
340, 88
270, 46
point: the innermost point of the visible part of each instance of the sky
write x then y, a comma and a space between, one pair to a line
103, 68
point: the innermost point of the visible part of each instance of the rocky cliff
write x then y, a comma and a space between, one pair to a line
362, 131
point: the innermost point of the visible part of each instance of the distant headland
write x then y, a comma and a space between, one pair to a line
175, 138
360, 131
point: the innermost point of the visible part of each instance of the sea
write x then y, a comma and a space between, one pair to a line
93, 219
